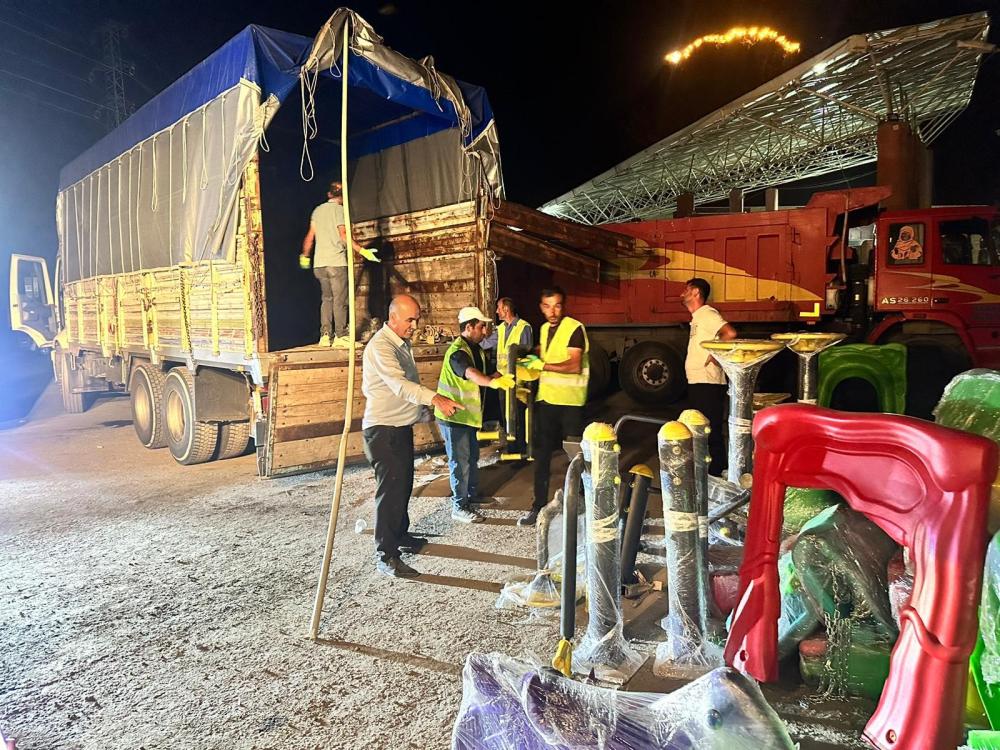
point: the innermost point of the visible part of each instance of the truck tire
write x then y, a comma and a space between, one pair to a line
234, 437
600, 372
651, 373
73, 403
190, 442
146, 396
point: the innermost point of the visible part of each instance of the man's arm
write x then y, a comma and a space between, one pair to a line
526, 338
571, 366
725, 333
310, 238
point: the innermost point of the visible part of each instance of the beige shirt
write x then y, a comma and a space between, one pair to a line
331, 250
390, 382
705, 325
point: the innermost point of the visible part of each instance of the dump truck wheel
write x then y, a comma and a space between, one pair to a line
651, 373
600, 371
190, 442
234, 438
73, 403
146, 395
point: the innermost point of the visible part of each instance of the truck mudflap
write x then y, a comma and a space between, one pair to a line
307, 391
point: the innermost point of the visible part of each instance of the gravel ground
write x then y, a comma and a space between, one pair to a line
147, 605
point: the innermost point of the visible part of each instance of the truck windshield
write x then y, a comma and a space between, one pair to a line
969, 242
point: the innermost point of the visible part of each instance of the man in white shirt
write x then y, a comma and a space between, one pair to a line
395, 401
706, 381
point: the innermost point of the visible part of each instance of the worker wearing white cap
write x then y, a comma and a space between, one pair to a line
462, 375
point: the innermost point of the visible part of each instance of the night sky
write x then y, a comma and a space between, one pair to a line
575, 88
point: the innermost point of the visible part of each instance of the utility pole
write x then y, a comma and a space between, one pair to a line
118, 106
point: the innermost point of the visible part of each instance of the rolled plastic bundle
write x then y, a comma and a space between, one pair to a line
687, 594
603, 647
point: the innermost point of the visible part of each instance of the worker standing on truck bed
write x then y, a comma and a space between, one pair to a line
706, 381
562, 389
512, 331
462, 376
327, 231
395, 401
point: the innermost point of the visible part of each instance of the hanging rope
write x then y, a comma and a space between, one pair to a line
138, 203
204, 154
154, 205
331, 531
307, 92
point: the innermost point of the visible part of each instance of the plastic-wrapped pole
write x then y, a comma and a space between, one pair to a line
686, 602
741, 359
604, 647
696, 422
808, 346
563, 660
642, 477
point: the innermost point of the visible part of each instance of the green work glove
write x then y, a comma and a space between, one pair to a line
505, 382
304, 262
531, 362
368, 253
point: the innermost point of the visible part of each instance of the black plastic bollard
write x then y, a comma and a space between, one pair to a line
642, 477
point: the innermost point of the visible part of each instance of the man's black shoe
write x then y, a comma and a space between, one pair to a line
528, 519
412, 543
396, 568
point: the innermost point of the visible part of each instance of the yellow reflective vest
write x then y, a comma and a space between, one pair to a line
508, 336
558, 388
459, 389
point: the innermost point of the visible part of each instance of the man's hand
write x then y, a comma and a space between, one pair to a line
445, 405
532, 362
505, 382
368, 253
304, 262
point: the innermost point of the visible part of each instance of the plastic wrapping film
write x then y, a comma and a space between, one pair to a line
839, 575
686, 622
971, 402
989, 615
603, 648
741, 360
802, 505
540, 591
807, 346
509, 704
800, 615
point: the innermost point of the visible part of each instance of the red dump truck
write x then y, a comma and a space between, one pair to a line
928, 278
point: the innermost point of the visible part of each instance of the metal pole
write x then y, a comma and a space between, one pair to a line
642, 477
352, 364
563, 660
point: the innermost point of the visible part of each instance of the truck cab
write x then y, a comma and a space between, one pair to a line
937, 272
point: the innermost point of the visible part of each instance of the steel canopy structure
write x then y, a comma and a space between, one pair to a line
818, 117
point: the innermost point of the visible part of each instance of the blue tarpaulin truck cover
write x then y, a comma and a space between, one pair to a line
163, 187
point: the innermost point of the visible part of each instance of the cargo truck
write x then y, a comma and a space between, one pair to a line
176, 278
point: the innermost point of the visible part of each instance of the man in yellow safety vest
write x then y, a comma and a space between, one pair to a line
513, 331
562, 389
462, 375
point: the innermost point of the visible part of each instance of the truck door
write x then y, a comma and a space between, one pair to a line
966, 273
31, 304
904, 282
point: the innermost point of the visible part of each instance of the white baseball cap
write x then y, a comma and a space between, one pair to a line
471, 313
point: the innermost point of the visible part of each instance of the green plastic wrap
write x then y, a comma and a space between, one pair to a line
883, 366
857, 665
971, 402
802, 505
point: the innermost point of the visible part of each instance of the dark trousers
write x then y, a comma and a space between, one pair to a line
551, 425
333, 309
390, 452
710, 400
